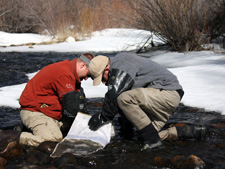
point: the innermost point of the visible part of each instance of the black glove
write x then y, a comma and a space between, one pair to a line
96, 121
73, 102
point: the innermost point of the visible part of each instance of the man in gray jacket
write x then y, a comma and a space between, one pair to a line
146, 93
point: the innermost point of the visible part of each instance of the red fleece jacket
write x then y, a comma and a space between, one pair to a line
49, 86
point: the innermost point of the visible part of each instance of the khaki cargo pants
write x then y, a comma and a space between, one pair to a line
44, 128
143, 106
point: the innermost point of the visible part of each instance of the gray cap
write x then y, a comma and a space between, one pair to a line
85, 59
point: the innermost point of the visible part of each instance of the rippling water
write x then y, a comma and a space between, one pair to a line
121, 152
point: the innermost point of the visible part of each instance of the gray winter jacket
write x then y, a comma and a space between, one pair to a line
145, 72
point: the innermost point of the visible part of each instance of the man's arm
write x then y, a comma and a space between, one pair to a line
119, 81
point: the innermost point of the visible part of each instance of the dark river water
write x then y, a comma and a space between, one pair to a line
122, 152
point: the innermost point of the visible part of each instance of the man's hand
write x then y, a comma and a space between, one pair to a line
96, 121
44, 105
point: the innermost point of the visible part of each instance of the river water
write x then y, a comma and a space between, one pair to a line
121, 152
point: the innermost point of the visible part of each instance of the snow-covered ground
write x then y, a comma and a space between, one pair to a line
202, 74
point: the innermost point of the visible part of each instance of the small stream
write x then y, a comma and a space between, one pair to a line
122, 152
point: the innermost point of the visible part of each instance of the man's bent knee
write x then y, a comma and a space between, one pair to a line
120, 100
124, 99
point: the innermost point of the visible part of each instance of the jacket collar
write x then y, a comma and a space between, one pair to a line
73, 66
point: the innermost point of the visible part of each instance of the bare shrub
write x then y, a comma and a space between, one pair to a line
217, 22
184, 24
12, 17
115, 14
180, 23
85, 16
62, 17
53, 16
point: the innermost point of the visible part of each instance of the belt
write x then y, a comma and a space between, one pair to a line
180, 92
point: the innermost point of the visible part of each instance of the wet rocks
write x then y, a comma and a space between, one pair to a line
194, 162
47, 147
37, 157
3, 163
126, 154
12, 150
67, 160
180, 162
191, 162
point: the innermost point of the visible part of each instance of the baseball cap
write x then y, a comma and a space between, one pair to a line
96, 68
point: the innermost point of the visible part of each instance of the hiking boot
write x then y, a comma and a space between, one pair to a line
192, 132
150, 138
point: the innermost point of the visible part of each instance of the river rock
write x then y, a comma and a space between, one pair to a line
37, 157
191, 162
11, 149
47, 147
180, 162
70, 39
3, 163
66, 160
161, 162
